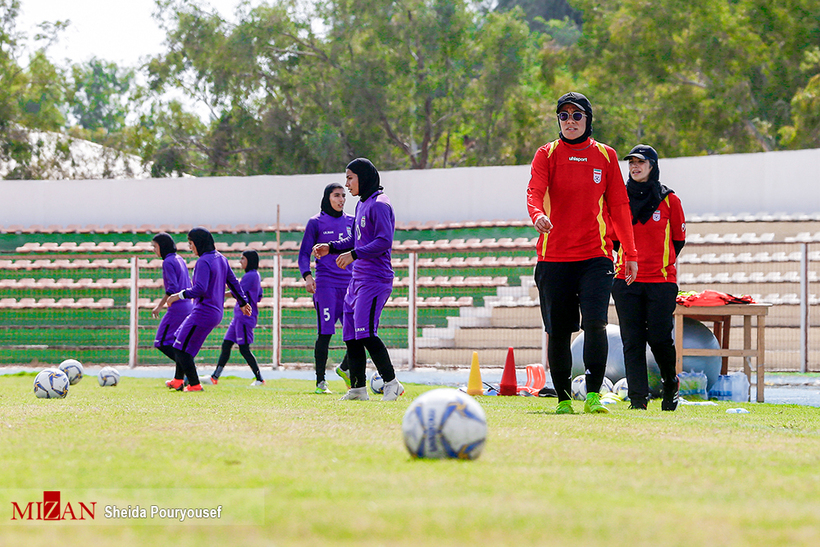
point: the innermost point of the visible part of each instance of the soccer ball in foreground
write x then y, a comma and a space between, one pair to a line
73, 369
108, 376
377, 383
579, 387
444, 423
51, 383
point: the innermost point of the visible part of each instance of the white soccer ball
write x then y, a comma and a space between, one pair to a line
579, 387
376, 383
51, 383
108, 376
621, 389
444, 423
73, 369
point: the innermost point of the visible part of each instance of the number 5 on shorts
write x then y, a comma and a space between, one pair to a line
326, 314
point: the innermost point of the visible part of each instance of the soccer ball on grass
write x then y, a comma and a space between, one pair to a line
108, 376
51, 383
444, 423
73, 369
377, 383
579, 387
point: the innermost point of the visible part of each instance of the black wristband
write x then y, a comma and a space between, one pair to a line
353, 254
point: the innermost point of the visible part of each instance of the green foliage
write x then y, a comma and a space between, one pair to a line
98, 97
290, 87
696, 77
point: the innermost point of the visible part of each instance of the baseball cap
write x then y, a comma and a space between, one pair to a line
576, 99
643, 152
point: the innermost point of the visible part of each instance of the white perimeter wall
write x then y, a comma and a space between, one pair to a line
770, 182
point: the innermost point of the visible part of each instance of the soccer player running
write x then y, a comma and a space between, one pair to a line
211, 274
329, 286
575, 193
175, 278
240, 331
646, 308
368, 250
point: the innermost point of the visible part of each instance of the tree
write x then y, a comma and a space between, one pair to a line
695, 77
98, 98
31, 96
539, 12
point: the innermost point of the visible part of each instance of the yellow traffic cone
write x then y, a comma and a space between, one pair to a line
474, 385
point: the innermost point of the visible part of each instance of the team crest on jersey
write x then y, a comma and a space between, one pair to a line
362, 222
656, 216
597, 175
348, 231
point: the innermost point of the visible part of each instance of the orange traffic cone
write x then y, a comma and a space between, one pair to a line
474, 385
509, 383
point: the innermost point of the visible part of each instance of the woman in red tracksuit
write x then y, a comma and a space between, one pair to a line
647, 306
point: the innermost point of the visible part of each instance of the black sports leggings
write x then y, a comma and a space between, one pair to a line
358, 360
245, 351
596, 347
320, 352
185, 367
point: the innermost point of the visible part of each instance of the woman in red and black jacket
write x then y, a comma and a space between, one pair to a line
646, 307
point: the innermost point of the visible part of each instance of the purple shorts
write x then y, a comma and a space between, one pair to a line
329, 303
192, 333
240, 331
171, 320
364, 302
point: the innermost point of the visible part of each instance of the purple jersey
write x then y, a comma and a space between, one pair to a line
251, 283
373, 238
175, 276
323, 228
211, 274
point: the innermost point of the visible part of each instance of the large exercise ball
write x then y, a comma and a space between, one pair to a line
695, 335
614, 359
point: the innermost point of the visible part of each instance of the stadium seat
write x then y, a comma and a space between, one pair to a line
757, 277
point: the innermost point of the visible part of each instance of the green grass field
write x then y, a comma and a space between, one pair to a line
337, 473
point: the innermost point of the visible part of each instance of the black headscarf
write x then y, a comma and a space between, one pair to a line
368, 177
253, 259
166, 244
644, 197
326, 206
202, 239
581, 102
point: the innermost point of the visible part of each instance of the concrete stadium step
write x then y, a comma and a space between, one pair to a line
487, 357
479, 337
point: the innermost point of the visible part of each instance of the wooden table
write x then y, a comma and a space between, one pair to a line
721, 316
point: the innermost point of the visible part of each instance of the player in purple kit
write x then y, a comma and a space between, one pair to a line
211, 274
240, 331
330, 285
368, 250
175, 278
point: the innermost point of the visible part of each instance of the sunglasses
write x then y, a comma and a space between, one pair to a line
577, 116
